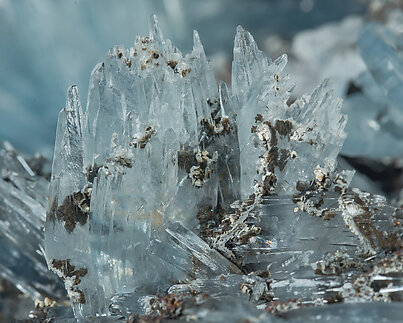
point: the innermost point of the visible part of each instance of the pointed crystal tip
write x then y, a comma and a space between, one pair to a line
72, 91
154, 31
244, 41
73, 98
197, 44
239, 29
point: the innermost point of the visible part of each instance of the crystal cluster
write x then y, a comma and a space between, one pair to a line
169, 193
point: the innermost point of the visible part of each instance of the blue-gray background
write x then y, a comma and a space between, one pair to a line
48, 45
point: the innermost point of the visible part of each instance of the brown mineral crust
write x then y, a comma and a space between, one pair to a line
364, 222
253, 129
278, 307
68, 270
273, 135
306, 191
209, 220
359, 201
336, 298
81, 297
258, 118
274, 157
172, 64
271, 159
186, 159
225, 123
70, 211
65, 269
154, 55
169, 306
368, 285
284, 156
207, 127
213, 101
211, 130
269, 182
229, 229
251, 233
128, 62
185, 72
144, 140
283, 127
336, 264
328, 215
123, 161
92, 172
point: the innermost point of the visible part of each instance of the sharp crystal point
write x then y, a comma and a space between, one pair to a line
244, 44
68, 155
281, 62
196, 41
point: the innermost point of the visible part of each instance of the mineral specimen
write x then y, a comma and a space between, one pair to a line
169, 194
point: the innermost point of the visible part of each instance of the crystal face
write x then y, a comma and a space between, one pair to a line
167, 184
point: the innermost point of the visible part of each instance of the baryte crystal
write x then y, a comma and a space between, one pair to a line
152, 129
161, 157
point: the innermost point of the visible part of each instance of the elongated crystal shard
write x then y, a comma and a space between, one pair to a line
68, 156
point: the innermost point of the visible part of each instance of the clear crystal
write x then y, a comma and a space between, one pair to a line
167, 183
